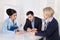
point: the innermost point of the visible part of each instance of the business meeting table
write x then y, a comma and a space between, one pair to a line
13, 36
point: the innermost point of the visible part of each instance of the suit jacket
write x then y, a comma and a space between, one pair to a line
51, 33
37, 24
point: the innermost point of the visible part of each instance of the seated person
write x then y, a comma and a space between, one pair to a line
32, 23
10, 24
51, 28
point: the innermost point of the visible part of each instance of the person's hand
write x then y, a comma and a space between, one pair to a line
32, 33
34, 29
15, 30
19, 33
29, 29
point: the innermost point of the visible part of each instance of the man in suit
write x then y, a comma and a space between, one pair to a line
32, 23
51, 31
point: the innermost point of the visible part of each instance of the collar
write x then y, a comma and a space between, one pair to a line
49, 19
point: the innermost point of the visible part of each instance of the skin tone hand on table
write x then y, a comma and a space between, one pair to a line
32, 31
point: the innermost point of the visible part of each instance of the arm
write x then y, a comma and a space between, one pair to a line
26, 25
49, 31
40, 25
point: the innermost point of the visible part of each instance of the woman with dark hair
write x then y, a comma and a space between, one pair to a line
10, 25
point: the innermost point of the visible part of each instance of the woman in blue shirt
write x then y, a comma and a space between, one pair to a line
10, 25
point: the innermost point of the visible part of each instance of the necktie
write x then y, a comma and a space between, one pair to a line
45, 25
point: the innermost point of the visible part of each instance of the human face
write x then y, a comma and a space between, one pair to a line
13, 17
45, 14
30, 17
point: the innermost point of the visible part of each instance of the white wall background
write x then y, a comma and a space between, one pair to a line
22, 6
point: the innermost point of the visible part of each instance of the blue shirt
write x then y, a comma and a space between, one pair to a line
9, 26
32, 23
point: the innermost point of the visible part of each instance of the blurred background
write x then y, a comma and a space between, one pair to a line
23, 6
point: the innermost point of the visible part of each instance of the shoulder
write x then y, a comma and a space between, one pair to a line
37, 18
54, 20
27, 19
7, 20
5, 23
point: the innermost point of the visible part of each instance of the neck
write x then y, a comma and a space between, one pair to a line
12, 19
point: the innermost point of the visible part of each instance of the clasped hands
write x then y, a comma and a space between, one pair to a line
31, 31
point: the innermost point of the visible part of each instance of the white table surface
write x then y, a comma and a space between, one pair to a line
13, 36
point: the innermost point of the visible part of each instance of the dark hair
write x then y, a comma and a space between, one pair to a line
30, 12
10, 11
